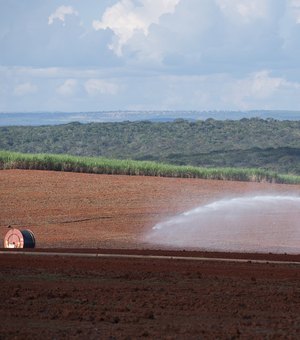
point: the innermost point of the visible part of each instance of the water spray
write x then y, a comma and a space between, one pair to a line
263, 223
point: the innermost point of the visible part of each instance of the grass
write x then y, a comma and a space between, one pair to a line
98, 165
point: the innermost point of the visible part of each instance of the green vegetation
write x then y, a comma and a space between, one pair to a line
12, 160
248, 143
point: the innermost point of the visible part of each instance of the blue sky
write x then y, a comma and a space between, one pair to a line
149, 55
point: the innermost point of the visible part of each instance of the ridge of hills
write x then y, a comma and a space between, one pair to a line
55, 118
257, 143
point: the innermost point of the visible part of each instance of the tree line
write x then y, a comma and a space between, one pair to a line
256, 143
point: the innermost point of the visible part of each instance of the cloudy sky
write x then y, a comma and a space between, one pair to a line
92, 55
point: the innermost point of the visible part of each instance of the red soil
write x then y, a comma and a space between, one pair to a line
64, 297
86, 210
93, 298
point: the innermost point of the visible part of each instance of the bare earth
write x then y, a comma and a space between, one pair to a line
104, 211
63, 297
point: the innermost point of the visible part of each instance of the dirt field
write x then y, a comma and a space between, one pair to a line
65, 297
98, 211
60, 297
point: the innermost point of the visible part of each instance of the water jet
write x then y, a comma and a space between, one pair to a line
262, 223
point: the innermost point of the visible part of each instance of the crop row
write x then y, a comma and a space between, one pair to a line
97, 165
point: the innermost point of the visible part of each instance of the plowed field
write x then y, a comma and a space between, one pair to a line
106, 211
95, 298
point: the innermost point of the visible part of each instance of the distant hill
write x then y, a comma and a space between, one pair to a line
268, 144
55, 118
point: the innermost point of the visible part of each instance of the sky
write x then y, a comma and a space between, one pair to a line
95, 55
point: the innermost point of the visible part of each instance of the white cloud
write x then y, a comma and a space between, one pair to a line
223, 43
24, 89
60, 14
86, 90
246, 10
262, 85
125, 18
68, 88
259, 87
96, 87
294, 6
